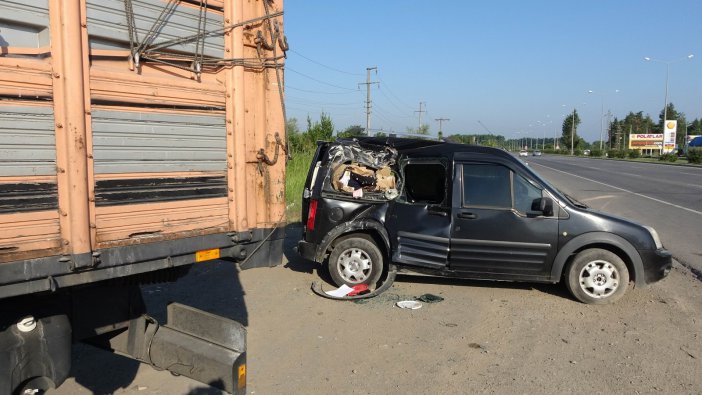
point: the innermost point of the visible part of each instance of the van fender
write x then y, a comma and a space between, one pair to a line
595, 238
350, 227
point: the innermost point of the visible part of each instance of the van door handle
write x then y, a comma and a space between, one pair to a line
467, 215
437, 211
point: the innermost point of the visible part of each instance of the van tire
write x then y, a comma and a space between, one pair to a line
355, 260
597, 276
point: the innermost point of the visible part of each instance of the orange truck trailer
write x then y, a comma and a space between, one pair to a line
137, 137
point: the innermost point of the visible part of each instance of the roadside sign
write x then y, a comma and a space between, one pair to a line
669, 132
646, 141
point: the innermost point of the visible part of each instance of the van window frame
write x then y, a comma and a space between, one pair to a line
403, 198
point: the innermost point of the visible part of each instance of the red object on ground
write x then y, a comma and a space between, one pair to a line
358, 289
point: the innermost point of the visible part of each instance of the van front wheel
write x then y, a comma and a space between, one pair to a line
597, 276
355, 260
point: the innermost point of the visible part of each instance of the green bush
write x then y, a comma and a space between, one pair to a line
578, 152
296, 174
619, 154
670, 157
694, 155
596, 153
634, 153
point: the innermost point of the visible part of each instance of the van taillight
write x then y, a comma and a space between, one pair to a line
311, 214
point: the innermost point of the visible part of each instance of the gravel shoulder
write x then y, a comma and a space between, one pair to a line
485, 337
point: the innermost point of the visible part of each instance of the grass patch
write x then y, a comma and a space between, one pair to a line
295, 175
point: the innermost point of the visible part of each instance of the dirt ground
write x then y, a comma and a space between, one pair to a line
485, 337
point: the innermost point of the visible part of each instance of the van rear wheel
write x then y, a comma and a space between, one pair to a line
355, 260
597, 276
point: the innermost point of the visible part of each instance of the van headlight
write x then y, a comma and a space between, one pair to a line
655, 237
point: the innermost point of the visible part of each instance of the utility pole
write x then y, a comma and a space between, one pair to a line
368, 84
420, 111
440, 121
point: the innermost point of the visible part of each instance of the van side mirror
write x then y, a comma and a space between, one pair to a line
543, 206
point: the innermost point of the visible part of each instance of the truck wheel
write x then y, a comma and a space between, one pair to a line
597, 276
355, 260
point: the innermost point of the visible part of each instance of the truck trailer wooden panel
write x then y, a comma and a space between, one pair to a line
137, 137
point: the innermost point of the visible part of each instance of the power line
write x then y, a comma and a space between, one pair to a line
319, 92
311, 101
316, 80
387, 87
323, 65
485, 127
383, 118
390, 113
391, 102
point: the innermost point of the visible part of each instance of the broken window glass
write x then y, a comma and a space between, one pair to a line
425, 182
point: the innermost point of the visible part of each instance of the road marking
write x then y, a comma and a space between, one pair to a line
631, 174
625, 190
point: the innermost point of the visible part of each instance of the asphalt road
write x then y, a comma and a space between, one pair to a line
667, 197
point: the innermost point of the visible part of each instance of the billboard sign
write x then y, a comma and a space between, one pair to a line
671, 128
645, 141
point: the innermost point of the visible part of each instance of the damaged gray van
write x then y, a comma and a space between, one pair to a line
455, 210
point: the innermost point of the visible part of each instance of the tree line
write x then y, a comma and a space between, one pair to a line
616, 138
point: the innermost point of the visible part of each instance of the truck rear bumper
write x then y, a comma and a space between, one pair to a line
205, 347
257, 248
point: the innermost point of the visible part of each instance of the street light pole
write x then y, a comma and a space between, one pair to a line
572, 131
667, 74
602, 95
572, 134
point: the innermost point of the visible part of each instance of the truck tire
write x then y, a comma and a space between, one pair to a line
355, 260
597, 276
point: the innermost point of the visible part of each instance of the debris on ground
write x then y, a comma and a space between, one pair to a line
430, 298
409, 304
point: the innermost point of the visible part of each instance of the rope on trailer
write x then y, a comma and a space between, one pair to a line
284, 46
146, 50
262, 158
200, 43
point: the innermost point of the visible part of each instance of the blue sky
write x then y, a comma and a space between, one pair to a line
511, 65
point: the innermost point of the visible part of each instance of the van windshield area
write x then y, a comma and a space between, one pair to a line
362, 173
